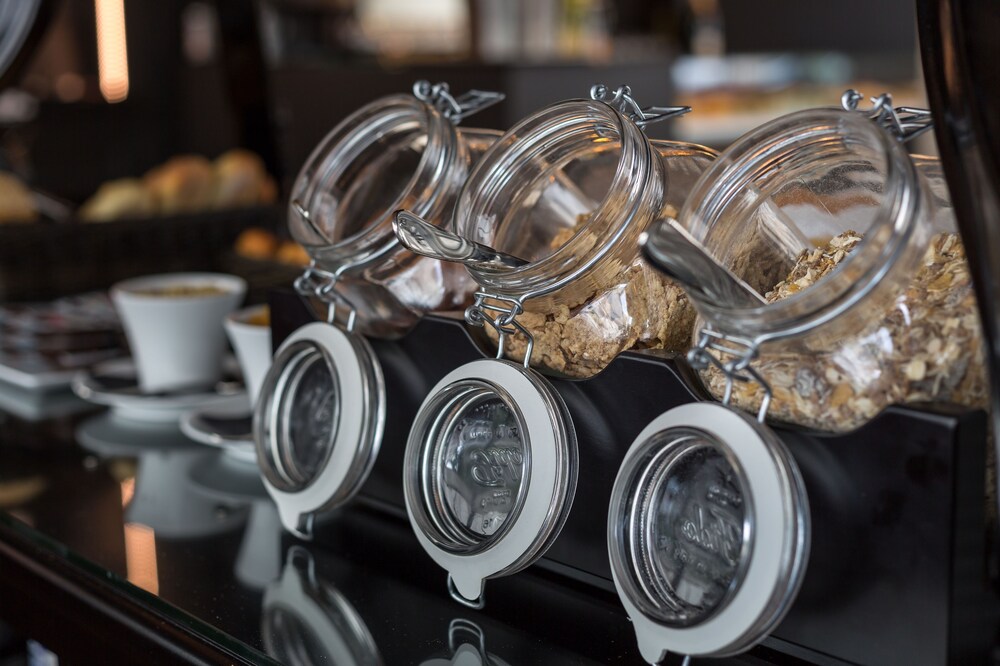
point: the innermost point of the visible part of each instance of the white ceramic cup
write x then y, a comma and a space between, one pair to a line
177, 341
252, 343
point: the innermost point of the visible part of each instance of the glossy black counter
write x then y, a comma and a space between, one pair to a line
121, 544
898, 566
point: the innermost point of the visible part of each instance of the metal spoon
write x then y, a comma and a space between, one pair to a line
671, 248
422, 237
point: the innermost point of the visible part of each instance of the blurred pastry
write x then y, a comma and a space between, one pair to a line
256, 243
183, 184
268, 191
291, 252
115, 199
241, 180
17, 204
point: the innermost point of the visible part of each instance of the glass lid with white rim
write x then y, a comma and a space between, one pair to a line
707, 532
490, 472
318, 422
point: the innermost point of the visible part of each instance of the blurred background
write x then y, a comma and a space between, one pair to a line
115, 87
183, 122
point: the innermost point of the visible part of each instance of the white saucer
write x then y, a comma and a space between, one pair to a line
109, 436
226, 426
165, 499
115, 385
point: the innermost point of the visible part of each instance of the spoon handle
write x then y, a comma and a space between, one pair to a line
669, 247
422, 237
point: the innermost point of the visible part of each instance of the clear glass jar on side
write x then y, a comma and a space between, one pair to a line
320, 416
397, 152
570, 189
852, 243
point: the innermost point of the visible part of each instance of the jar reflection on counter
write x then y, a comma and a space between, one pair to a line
570, 189
853, 244
397, 152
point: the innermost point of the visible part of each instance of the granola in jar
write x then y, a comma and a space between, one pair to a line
926, 348
638, 308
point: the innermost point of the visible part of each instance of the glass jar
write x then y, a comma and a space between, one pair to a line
320, 415
492, 462
854, 295
867, 299
401, 151
570, 189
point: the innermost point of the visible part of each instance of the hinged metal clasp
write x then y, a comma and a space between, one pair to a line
320, 284
742, 351
622, 100
500, 313
454, 108
905, 122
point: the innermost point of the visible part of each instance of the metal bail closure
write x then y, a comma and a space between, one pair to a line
490, 473
319, 420
905, 122
621, 99
708, 532
732, 356
455, 109
310, 621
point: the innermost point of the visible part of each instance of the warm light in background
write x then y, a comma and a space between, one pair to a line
140, 557
128, 491
112, 51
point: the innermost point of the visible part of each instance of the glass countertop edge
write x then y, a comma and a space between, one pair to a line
154, 604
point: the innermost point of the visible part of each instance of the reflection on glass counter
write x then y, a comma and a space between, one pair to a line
307, 621
466, 647
161, 515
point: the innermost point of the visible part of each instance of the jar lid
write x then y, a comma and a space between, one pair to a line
708, 532
309, 619
490, 472
318, 422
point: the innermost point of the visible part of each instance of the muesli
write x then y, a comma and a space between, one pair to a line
638, 308
926, 348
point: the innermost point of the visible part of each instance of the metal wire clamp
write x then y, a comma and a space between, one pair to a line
905, 122
741, 352
454, 108
621, 99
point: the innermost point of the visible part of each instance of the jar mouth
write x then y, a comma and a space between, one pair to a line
393, 153
576, 168
786, 187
